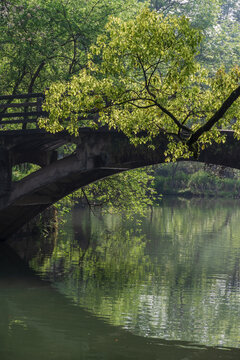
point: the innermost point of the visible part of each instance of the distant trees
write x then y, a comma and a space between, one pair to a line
43, 41
219, 20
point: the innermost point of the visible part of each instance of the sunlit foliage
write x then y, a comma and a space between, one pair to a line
131, 192
143, 79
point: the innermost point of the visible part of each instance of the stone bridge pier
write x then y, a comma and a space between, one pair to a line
5, 172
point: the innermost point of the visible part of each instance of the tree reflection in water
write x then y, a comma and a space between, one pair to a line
176, 277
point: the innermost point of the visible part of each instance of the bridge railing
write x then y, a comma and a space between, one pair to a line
21, 109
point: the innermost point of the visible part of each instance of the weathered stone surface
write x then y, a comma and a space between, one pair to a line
5, 172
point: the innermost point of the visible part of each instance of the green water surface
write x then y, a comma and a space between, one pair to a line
109, 287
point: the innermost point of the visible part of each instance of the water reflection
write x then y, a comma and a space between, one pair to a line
39, 323
176, 279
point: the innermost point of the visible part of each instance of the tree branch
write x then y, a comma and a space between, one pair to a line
37, 72
163, 109
154, 70
141, 107
74, 56
216, 117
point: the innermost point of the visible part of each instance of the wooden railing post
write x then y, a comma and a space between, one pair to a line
24, 125
39, 104
39, 107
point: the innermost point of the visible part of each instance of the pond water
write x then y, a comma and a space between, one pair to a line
108, 287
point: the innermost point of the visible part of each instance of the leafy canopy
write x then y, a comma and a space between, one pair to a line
42, 41
143, 79
219, 22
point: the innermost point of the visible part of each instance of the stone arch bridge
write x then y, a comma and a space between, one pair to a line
98, 154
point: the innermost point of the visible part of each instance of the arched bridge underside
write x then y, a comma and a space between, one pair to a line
98, 154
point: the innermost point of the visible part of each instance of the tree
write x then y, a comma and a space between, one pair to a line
143, 78
42, 41
130, 192
222, 44
219, 22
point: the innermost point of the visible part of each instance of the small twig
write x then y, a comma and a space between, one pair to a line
86, 198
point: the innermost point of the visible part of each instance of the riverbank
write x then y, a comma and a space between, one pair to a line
191, 180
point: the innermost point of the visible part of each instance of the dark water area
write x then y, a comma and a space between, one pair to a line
109, 287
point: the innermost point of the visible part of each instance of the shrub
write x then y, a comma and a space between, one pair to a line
202, 182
